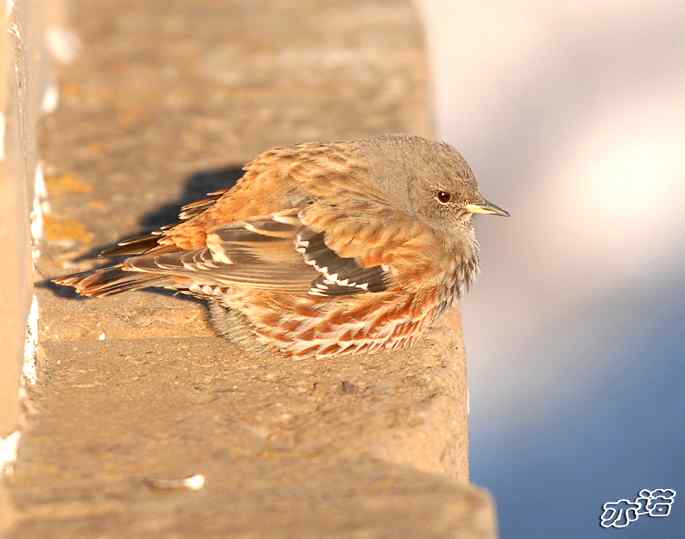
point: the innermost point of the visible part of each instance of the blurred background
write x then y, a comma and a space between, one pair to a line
572, 115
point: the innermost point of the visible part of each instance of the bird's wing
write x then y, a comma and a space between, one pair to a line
374, 234
275, 253
276, 180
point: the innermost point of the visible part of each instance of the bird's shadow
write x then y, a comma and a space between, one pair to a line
196, 186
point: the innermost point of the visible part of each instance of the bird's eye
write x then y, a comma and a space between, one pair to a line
443, 197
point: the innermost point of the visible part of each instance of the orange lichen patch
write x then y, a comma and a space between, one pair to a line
66, 183
71, 90
63, 229
95, 148
97, 204
129, 117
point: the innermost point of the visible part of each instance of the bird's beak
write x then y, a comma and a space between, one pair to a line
487, 208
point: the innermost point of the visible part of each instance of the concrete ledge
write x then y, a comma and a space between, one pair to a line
152, 113
23, 80
326, 447
358, 498
404, 408
17, 149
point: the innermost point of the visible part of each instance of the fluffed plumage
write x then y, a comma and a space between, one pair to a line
320, 249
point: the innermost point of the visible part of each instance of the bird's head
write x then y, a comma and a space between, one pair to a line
430, 180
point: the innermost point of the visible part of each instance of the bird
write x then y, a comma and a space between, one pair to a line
320, 249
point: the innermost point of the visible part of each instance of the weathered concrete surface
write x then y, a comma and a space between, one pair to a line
166, 100
16, 171
22, 83
311, 447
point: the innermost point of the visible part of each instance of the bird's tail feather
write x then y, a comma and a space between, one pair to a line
133, 246
111, 280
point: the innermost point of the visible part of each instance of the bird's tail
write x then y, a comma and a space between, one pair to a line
111, 280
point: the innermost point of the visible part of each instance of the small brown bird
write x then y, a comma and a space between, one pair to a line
320, 249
